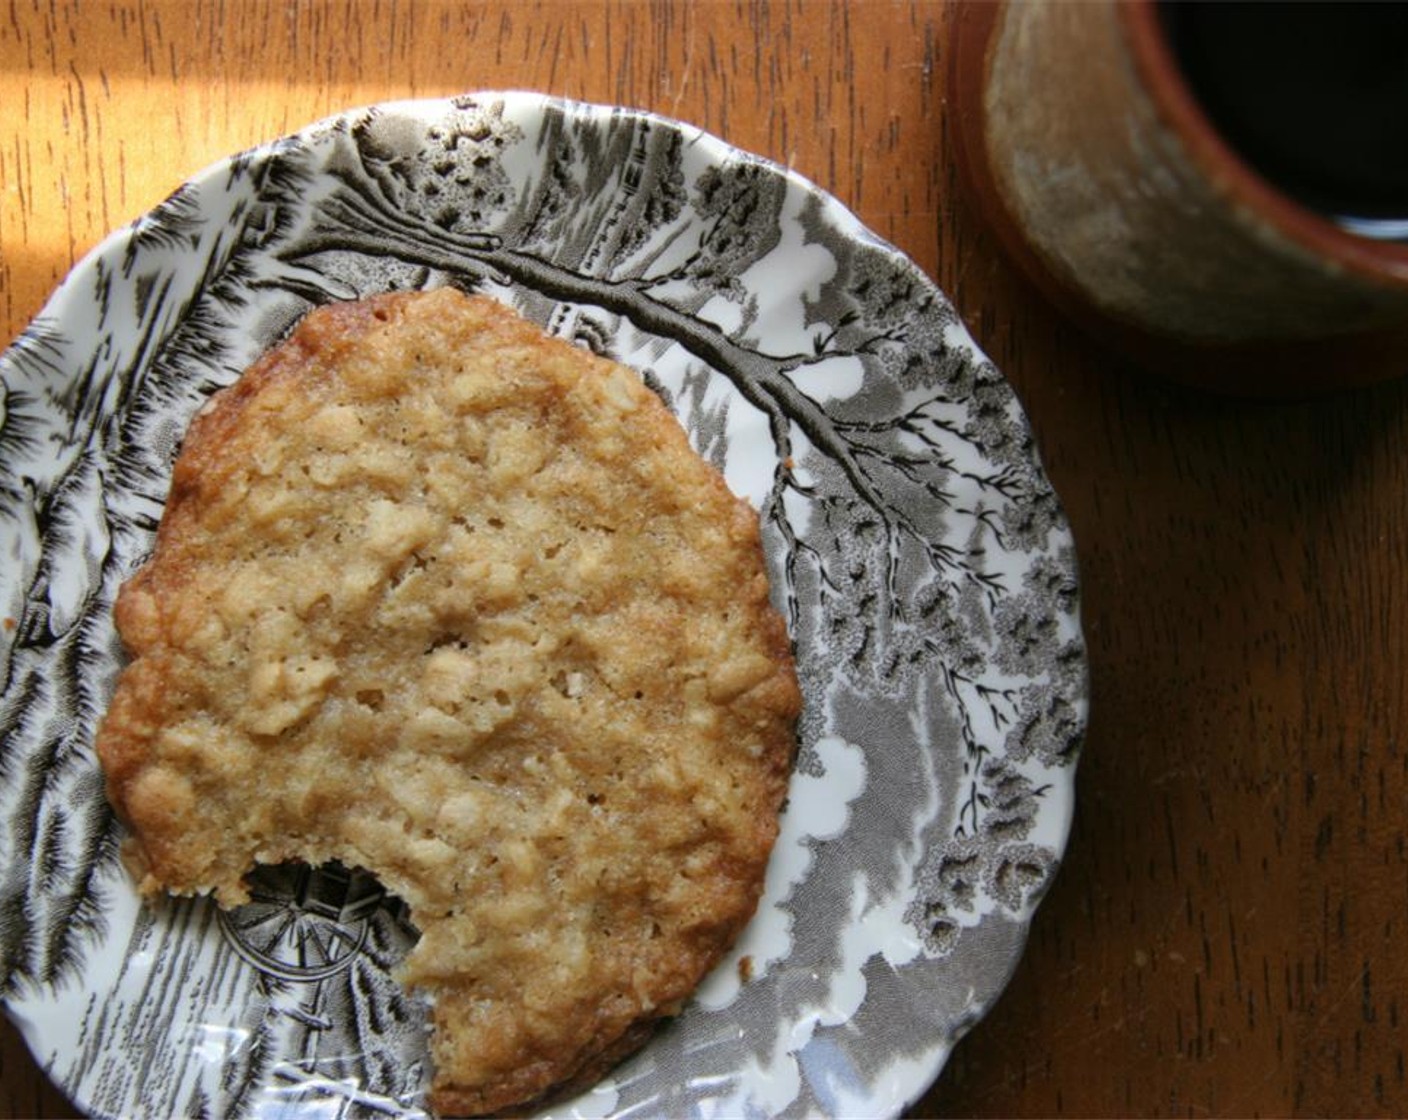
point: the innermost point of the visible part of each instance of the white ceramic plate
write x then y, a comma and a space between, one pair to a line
922, 560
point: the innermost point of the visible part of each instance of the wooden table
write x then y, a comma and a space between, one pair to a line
1226, 936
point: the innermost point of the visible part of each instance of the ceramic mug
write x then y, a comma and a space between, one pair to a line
1143, 206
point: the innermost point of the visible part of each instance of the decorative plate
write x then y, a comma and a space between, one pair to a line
915, 546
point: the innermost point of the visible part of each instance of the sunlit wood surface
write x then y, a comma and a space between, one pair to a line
1228, 934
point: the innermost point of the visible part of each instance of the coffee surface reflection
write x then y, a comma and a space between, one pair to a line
1314, 96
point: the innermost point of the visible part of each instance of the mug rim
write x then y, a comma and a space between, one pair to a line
1228, 170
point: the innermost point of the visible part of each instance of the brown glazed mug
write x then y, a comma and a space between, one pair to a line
1091, 149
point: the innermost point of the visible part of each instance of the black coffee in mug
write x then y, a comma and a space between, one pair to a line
1312, 95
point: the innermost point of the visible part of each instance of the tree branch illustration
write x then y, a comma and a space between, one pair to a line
356, 221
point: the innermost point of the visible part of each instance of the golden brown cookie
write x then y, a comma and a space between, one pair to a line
444, 598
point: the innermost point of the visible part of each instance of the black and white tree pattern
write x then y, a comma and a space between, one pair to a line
920, 556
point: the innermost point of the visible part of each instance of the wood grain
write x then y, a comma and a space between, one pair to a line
1226, 936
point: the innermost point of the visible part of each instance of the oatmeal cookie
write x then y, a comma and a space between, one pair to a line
441, 597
